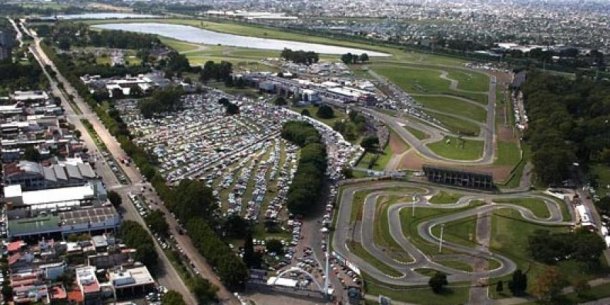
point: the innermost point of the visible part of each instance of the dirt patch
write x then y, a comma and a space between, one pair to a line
505, 134
397, 145
411, 161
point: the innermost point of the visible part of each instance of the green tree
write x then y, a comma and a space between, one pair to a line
157, 223
251, 258
438, 282
31, 154
370, 144
499, 286
203, 290
275, 245
581, 287
280, 101
518, 285
305, 112
172, 298
325, 112
347, 58
115, 198
548, 285
364, 57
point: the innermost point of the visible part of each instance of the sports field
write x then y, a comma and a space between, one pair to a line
458, 149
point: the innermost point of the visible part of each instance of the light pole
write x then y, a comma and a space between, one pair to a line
440, 243
413, 207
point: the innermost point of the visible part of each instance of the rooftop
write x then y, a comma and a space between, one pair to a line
85, 276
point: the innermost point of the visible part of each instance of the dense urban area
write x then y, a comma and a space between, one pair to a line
304, 152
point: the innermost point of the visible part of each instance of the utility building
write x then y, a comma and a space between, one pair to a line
457, 177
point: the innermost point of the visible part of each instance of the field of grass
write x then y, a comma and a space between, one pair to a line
409, 226
444, 197
418, 295
595, 293
420, 135
359, 251
414, 80
382, 236
458, 126
381, 160
453, 106
457, 265
313, 111
510, 238
508, 153
469, 80
537, 206
456, 150
462, 231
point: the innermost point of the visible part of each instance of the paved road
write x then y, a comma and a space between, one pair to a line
488, 129
345, 230
134, 175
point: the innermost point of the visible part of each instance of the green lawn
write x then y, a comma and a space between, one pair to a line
420, 135
444, 197
537, 206
461, 232
457, 265
457, 150
382, 236
457, 126
510, 235
595, 293
508, 153
179, 46
414, 80
359, 251
409, 225
313, 111
453, 106
469, 80
380, 160
418, 295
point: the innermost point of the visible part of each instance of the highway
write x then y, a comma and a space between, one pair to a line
170, 278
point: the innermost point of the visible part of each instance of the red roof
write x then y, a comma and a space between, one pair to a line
15, 246
58, 293
14, 258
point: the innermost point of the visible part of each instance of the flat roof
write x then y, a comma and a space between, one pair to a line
137, 276
40, 224
75, 193
85, 276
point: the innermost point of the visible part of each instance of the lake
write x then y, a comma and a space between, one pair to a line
201, 36
100, 16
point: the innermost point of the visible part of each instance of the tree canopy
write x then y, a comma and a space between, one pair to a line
165, 100
300, 57
325, 112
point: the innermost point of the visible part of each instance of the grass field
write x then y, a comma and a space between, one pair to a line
444, 197
537, 206
358, 250
414, 80
418, 295
462, 231
313, 111
508, 153
469, 80
420, 135
380, 160
453, 106
468, 150
382, 236
510, 238
458, 126
409, 225
457, 265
